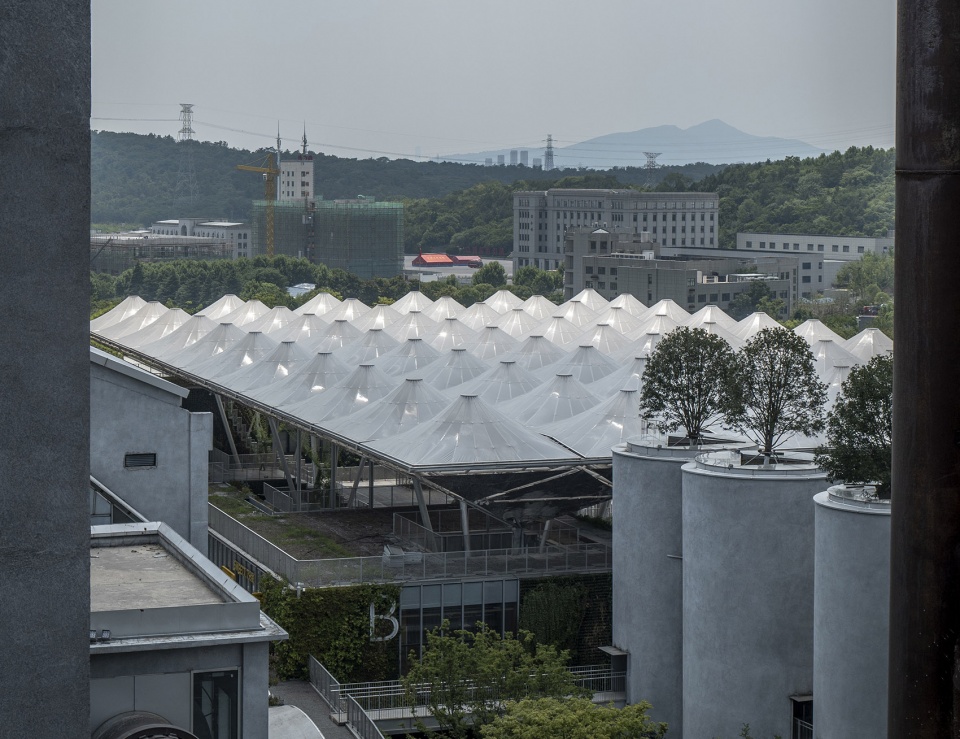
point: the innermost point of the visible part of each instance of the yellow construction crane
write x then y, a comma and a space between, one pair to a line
270, 173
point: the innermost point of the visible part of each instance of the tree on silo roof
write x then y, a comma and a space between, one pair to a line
860, 427
685, 380
774, 391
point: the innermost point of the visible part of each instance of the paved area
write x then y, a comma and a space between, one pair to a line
304, 696
289, 722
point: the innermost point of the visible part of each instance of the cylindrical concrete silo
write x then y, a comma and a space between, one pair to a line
648, 572
747, 594
851, 616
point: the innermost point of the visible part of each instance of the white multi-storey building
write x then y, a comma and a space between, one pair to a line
844, 248
541, 218
296, 178
234, 233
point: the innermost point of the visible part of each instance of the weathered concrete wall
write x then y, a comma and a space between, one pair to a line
130, 416
747, 597
851, 619
648, 575
165, 683
44, 374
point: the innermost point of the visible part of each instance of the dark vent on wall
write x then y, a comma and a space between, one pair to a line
140, 460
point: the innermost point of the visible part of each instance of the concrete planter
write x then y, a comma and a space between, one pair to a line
648, 571
748, 562
851, 615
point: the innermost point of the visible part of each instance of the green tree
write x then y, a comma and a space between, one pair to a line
685, 380
750, 300
773, 390
492, 273
860, 427
468, 678
573, 718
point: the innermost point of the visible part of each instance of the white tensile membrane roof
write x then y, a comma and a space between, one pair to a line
320, 304
468, 432
190, 331
220, 308
165, 325
323, 370
126, 308
148, 314
869, 343
402, 409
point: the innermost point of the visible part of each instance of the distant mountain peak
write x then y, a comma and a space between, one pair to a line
713, 141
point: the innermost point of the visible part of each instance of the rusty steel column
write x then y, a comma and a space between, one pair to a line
925, 546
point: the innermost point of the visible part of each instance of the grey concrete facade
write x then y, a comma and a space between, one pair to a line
44, 216
648, 575
134, 412
169, 622
851, 617
613, 263
541, 218
748, 541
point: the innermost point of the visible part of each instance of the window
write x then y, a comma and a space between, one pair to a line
588, 269
140, 460
601, 270
859, 250
846, 248
749, 244
805, 278
216, 704
725, 297
613, 285
796, 247
802, 725
835, 248
819, 247
806, 265
613, 271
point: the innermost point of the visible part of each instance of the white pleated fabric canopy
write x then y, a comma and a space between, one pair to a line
434, 384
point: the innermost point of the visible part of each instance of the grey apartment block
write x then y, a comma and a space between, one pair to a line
748, 560
148, 449
541, 218
851, 616
172, 636
613, 263
44, 218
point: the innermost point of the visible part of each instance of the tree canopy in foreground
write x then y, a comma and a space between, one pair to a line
467, 679
573, 718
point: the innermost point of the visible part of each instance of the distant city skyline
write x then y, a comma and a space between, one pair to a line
420, 78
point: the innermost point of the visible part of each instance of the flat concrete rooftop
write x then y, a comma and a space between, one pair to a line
143, 576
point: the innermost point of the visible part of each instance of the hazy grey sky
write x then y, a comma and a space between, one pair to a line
394, 77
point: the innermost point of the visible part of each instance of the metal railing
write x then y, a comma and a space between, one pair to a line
802, 729
330, 690
410, 565
359, 721
391, 695
406, 528
325, 683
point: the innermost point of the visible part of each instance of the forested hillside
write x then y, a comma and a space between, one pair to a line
134, 178
849, 193
462, 207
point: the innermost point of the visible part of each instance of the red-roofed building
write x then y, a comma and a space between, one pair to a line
433, 260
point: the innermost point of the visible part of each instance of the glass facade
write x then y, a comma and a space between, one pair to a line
425, 607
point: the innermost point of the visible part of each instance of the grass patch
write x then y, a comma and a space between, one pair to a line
232, 505
319, 545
